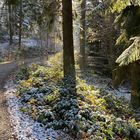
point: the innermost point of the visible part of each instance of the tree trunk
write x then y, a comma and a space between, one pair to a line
10, 24
68, 49
135, 77
20, 24
83, 34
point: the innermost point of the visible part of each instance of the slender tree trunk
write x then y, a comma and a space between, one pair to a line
83, 34
10, 24
68, 49
10, 13
14, 19
20, 24
47, 46
54, 43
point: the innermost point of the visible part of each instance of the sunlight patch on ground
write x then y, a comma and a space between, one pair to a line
7, 62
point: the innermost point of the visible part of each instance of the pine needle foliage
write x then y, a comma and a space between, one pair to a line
131, 54
11, 2
119, 5
129, 20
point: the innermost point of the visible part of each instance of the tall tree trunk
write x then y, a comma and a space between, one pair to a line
135, 77
68, 49
83, 34
20, 24
10, 24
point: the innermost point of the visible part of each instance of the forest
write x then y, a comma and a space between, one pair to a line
69, 69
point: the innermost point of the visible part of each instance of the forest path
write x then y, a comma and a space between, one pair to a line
5, 126
5, 70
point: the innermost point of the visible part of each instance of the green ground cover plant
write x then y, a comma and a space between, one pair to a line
79, 110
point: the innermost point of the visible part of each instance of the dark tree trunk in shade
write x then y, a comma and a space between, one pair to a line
83, 34
68, 49
135, 77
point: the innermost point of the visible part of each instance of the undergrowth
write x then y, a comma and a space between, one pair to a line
79, 110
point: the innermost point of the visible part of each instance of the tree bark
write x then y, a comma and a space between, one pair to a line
68, 48
83, 34
20, 24
10, 24
135, 77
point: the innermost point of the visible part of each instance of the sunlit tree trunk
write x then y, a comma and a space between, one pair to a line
83, 34
68, 49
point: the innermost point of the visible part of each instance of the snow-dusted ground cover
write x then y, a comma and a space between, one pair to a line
106, 85
3, 47
30, 42
24, 127
27, 42
90, 113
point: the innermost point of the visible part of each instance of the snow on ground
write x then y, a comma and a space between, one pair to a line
24, 127
27, 42
30, 42
106, 85
3, 47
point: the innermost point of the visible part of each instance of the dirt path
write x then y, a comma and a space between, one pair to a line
5, 70
5, 127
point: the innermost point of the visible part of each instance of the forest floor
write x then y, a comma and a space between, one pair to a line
25, 125
106, 84
6, 69
38, 93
